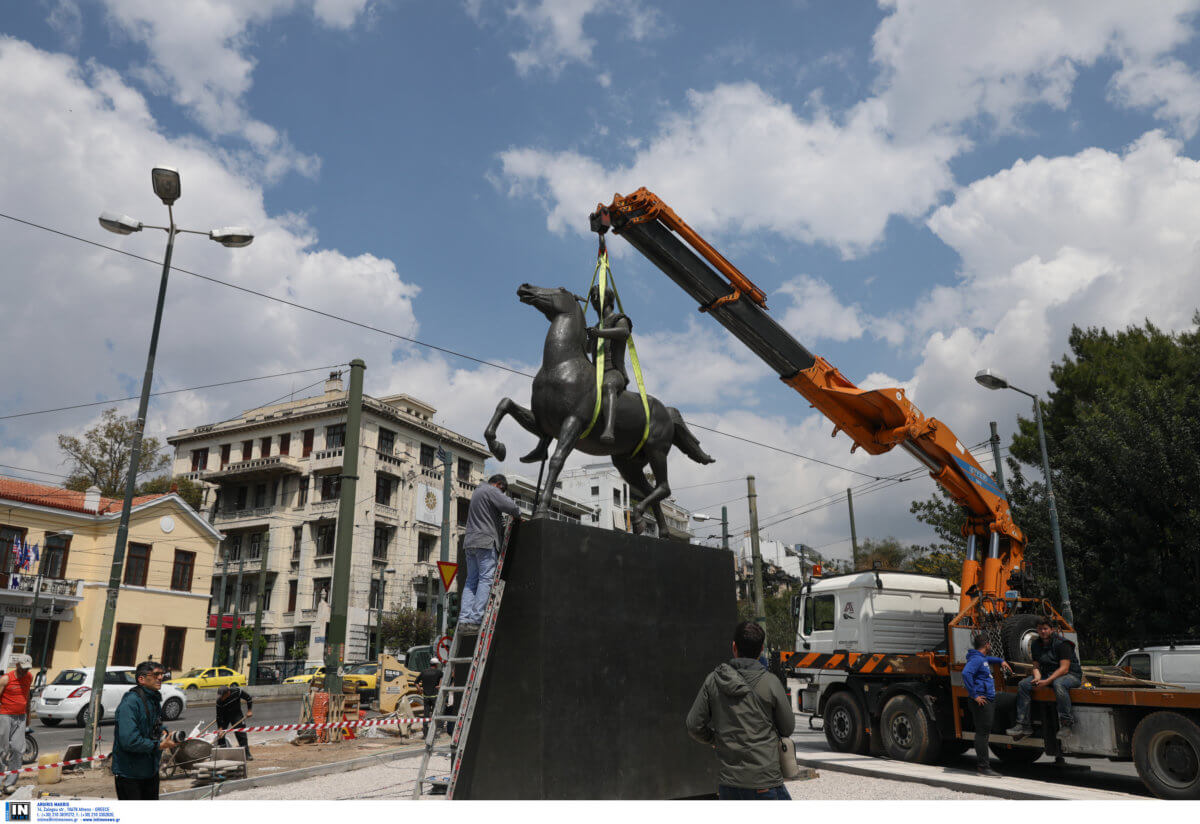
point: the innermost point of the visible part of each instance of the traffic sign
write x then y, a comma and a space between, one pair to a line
448, 570
442, 649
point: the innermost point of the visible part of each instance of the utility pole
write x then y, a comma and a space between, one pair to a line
724, 528
995, 442
258, 610
220, 605
853, 532
231, 656
444, 556
335, 641
760, 610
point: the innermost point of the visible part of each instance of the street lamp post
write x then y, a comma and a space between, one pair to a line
700, 516
989, 379
166, 183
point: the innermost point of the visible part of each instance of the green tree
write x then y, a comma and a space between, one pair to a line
406, 627
190, 491
888, 553
101, 456
781, 626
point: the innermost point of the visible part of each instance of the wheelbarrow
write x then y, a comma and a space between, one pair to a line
195, 748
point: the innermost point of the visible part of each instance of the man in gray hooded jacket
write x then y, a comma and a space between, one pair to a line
742, 711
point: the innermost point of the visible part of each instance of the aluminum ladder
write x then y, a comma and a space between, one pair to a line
468, 692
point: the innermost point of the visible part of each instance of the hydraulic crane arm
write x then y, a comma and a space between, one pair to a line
876, 420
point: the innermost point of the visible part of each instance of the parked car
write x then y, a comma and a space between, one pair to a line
207, 677
267, 674
307, 676
1178, 664
364, 676
68, 696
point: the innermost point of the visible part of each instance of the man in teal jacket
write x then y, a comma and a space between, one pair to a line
742, 711
139, 740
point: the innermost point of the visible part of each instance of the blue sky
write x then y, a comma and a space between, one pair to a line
923, 190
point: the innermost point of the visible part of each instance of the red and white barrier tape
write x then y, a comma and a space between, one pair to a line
374, 722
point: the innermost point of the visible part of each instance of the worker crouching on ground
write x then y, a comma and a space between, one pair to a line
231, 717
981, 693
14, 716
742, 711
139, 738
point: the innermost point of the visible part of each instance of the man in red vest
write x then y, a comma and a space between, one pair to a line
14, 715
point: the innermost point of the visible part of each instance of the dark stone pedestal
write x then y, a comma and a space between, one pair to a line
603, 641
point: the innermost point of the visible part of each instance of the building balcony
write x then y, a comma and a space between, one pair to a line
56, 597
390, 462
324, 509
327, 459
254, 469
387, 513
227, 516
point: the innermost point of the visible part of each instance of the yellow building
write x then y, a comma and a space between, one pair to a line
56, 549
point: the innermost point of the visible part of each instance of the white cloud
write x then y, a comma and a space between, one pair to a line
66, 19
815, 312
765, 168
199, 56
1167, 86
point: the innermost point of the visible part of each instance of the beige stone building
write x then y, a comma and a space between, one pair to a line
56, 549
272, 480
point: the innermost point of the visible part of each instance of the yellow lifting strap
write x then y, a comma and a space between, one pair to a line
603, 273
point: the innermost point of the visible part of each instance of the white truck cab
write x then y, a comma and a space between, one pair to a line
1178, 665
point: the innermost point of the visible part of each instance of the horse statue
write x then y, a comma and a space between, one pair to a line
563, 402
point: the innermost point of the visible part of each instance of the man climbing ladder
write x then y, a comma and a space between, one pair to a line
488, 503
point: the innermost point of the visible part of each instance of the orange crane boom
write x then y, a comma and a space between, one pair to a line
877, 420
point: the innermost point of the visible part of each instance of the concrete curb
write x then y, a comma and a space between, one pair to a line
223, 787
962, 785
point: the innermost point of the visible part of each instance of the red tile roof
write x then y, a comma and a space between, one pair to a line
59, 498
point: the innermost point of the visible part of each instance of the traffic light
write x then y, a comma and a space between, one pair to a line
452, 605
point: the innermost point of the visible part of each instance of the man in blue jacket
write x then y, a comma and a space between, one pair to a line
139, 741
981, 696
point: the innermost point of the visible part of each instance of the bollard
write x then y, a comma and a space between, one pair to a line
52, 775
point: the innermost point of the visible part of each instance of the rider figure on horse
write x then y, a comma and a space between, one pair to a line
611, 333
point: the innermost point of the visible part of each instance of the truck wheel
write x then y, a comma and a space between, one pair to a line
1016, 633
1166, 751
845, 728
908, 732
1015, 756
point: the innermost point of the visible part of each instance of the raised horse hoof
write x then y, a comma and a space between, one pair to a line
538, 454
499, 450
539, 513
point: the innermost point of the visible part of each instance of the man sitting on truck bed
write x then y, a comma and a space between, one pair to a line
1054, 654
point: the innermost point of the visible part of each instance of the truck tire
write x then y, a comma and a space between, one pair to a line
845, 724
908, 732
1015, 633
1015, 756
1166, 752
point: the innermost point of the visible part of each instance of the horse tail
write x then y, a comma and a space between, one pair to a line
685, 441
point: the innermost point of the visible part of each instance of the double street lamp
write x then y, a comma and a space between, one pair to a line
990, 379
166, 184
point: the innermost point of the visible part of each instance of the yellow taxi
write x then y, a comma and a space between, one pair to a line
307, 676
364, 676
208, 677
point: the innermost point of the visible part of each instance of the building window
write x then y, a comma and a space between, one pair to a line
320, 587
264, 447
244, 598
257, 539
260, 495
595, 492
426, 544
325, 533
383, 489
331, 487
616, 497
225, 455
335, 436
137, 564
293, 587
242, 496
383, 537
387, 441
247, 450
285, 443
373, 598
268, 588
199, 460
54, 556
181, 571
308, 443
233, 548
464, 470
297, 536
125, 642
10, 537
302, 495
40, 641
428, 455
172, 649
464, 506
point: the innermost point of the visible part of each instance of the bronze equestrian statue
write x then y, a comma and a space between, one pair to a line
561, 407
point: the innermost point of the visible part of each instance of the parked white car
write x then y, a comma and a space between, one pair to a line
1179, 664
68, 696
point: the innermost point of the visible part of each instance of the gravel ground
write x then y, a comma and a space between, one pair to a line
394, 781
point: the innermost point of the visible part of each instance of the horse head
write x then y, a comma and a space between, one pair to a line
550, 302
